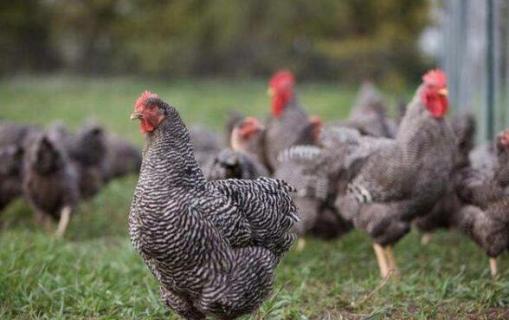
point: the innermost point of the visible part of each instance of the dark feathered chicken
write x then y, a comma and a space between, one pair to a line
11, 157
213, 246
444, 212
87, 152
288, 119
368, 114
404, 180
50, 184
486, 191
122, 158
242, 160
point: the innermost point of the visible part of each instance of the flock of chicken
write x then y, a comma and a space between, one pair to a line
212, 223
53, 169
212, 226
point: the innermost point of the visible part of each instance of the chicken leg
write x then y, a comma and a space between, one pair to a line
426, 238
301, 243
493, 267
65, 217
393, 267
381, 259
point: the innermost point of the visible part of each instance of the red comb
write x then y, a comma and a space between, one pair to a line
435, 77
283, 79
140, 102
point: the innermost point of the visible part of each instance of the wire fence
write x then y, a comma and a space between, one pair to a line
475, 55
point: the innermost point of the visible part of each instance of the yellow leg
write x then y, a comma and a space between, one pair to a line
393, 267
65, 217
493, 267
426, 238
301, 243
381, 259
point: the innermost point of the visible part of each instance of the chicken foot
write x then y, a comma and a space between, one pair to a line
493, 267
393, 267
426, 238
301, 244
65, 217
381, 258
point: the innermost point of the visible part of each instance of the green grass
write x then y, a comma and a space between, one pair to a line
95, 274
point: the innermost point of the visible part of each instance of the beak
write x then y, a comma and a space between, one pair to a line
135, 115
270, 92
443, 92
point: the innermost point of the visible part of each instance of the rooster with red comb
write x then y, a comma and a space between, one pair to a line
404, 179
288, 120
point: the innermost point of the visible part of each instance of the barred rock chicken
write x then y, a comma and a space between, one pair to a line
287, 121
445, 211
485, 218
213, 246
241, 161
311, 170
404, 180
11, 157
368, 114
50, 183
122, 158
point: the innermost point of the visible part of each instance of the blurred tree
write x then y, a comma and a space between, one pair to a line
24, 37
345, 40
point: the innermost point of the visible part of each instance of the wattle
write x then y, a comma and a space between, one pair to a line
146, 126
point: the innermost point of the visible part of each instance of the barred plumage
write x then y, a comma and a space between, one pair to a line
485, 190
406, 177
309, 169
402, 179
213, 246
285, 131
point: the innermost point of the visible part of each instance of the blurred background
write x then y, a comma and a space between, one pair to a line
390, 42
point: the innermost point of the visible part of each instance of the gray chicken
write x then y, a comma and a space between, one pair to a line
11, 157
288, 119
50, 183
313, 171
87, 151
406, 178
242, 160
444, 212
212, 246
485, 190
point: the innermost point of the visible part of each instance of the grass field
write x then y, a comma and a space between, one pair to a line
95, 274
